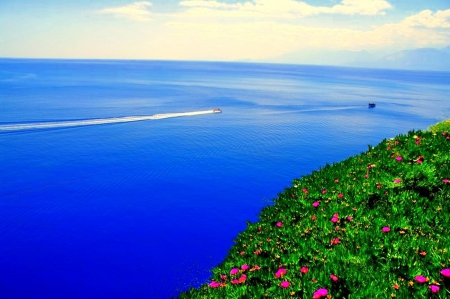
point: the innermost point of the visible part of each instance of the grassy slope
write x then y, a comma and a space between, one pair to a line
376, 189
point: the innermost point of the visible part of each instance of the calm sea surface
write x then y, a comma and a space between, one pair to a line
145, 209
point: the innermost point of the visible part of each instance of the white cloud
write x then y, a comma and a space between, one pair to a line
427, 19
362, 7
137, 11
282, 8
258, 39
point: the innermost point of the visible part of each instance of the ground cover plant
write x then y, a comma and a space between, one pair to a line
375, 225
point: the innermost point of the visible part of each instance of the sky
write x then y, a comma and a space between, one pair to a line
218, 30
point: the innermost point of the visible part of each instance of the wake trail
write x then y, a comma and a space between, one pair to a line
99, 121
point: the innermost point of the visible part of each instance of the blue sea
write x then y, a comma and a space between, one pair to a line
146, 209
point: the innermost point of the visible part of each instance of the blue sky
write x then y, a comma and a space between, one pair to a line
217, 29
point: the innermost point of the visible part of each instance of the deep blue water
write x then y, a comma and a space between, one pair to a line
146, 209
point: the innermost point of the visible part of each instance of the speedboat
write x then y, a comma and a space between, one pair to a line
371, 105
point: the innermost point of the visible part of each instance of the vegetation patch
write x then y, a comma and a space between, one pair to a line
375, 225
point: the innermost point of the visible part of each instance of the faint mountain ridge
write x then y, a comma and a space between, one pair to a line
415, 59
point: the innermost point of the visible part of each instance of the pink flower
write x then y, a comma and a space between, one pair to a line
446, 181
234, 271
313, 217
434, 288
399, 158
324, 191
349, 218
320, 293
340, 195
420, 160
304, 270
333, 277
388, 148
243, 278
280, 272
235, 281
420, 279
366, 176
335, 218
279, 224
223, 276
304, 190
397, 181
244, 267
336, 180
285, 284
386, 229
446, 272
316, 204
335, 241
214, 284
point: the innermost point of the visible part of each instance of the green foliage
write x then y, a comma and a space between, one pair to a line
382, 220
443, 126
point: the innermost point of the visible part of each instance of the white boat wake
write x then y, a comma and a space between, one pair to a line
99, 121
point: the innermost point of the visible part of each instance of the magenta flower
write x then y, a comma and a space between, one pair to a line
285, 284
320, 293
324, 191
244, 267
235, 281
214, 284
334, 277
446, 181
279, 224
223, 276
420, 279
446, 272
397, 181
316, 204
420, 160
434, 288
234, 271
304, 270
335, 218
349, 218
280, 272
386, 229
399, 158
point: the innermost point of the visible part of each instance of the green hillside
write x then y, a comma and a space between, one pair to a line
375, 225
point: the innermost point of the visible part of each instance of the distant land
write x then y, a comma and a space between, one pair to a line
432, 59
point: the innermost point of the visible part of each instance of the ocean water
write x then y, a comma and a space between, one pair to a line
145, 209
